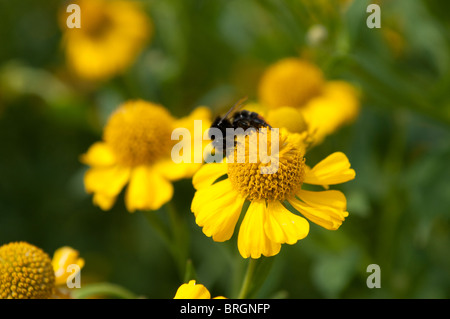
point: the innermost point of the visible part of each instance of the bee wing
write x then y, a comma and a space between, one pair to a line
237, 106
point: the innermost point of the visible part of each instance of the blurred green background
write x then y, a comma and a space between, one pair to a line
211, 53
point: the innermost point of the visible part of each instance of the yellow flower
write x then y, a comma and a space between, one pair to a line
62, 259
337, 106
112, 34
290, 82
296, 83
192, 290
26, 272
222, 189
287, 117
136, 150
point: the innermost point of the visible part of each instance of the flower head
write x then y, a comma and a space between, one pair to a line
26, 272
297, 84
136, 150
290, 82
337, 106
222, 189
62, 259
289, 118
192, 290
112, 34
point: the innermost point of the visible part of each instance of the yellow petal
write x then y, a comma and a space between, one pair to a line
105, 202
198, 144
217, 210
62, 259
221, 221
252, 239
175, 171
108, 181
204, 196
326, 209
200, 113
331, 198
192, 290
334, 169
99, 154
282, 226
147, 190
208, 174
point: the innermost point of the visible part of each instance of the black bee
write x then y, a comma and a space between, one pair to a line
235, 118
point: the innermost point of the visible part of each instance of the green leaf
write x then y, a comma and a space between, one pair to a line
103, 289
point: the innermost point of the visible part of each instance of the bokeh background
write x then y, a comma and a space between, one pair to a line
212, 53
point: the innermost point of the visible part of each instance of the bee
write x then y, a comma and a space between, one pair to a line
236, 118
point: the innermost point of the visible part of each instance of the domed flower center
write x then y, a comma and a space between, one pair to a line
139, 133
97, 20
274, 179
290, 82
289, 118
26, 272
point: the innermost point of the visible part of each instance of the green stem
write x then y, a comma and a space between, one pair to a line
176, 237
158, 226
246, 284
180, 238
189, 274
103, 289
164, 233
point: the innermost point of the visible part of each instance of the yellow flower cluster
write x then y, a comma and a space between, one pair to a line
135, 153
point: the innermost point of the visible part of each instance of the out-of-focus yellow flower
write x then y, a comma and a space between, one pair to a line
112, 34
26, 272
192, 290
267, 223
136, 150
338, 105
287, 117
324, 106
290, 82
62, 259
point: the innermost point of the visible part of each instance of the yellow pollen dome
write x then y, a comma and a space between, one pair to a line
26, 272
139, 132
99, 22
250, 181
289, 118
290, 82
